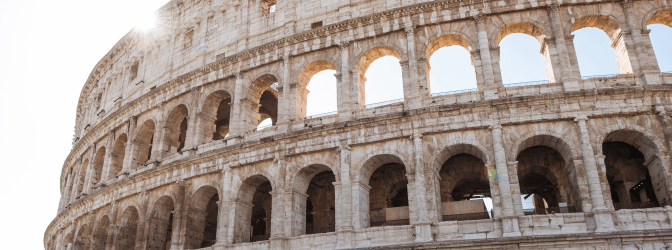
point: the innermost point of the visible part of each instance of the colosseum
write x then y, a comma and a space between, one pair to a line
167, 153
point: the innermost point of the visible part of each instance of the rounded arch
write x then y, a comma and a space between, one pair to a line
311, 166
160, 222
446, 40
81, 238
528, 27
143, 140
99, 232
215, 116
608, 24
98, 163
200, 198
117, 155
657, 16
249, 185
305, 175
176, 129
128, 226
162, 208
442, 155
376, 161
365, 59
547, 139
636, 136
262, 82
312, 68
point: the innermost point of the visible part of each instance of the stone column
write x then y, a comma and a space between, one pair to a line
360, 205
494, 191
603, 218
491, 88
225, 211
584, 192
344, 85
509, 219
296, 213
286, 112
191, 141
515, 188
159, 132
237, 124
641, 58
569, 78
278, 238
414, 96
143, 223
75, 181
423, 228
89, 170
107, 162
344, 208
128, 151
179, 220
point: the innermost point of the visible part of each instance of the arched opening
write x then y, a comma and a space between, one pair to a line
317, 93
253, 210
524, 56
215, 116
380, 79
100, 233
67, 241
144, 139
594, 53
264, 89
202, 219
159, 235
82, 178
660, 25
81, 239
266, 123
635, 173
465, 187
118, 155
546, 187
128, 228
98, 163
386, 190
450, 66
315, 198
594, 37
175, 134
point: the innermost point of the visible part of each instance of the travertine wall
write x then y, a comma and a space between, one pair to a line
150, 169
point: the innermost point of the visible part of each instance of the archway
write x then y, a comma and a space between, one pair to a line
128, 228
315, 200
635, 173
202, 218
267, 100
159, 236
81, 179
613, 31
215, 116
316, 93
100, 233
175, 134
142, 145
380, 80
386, 189
594, 53
117, 156
253, 210
450, 65
98, 163
465, 187
81, 239
660, 25
524, 55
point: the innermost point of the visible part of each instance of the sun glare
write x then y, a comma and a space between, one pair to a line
146, 22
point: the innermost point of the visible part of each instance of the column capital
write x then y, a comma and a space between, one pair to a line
344, 147
495, 126
409, 30
480, 18
344, 44
239, 74
626, 4
581, 118
552, 7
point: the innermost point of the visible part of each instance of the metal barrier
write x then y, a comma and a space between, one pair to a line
320, 230
636, 205
553, 210
390, 223
453, 92
597, 76
321, 115
470, 216
378, 104
518, 84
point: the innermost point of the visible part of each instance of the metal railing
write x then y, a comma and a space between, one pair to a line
453, 92
518, 84
390, 223
552, 210
378, 104
321, 115
597, 76
463, 217
320, 230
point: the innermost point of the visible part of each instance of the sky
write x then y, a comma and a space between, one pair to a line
48, 49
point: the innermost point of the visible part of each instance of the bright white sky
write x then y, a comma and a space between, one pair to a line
48, 48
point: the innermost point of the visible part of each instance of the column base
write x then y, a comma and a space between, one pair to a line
603, 220
345, 239
423, 232
413, 103
221, 246
651, 77
570, 84
510, 226
491, 93
278, 243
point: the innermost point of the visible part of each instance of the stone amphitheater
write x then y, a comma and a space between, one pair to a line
167, 153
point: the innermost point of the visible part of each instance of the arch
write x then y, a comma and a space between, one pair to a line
100, 231
658, 16
202, 219
312, 68
143, 142
652, 168
215, 116
464, 180
97, 167
118, 155
609, 25
128, 226
440, 157
446, 41
364, 61
175, 130
387, 192
67, 240
546, 139
304, 79
81, 239
321, 196
253, 210
374, 162
82, 178
538, 32
160, 221
526, 27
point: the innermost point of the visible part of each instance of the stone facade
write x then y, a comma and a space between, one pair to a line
152, 166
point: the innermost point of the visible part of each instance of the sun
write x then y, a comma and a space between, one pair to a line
146, 22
